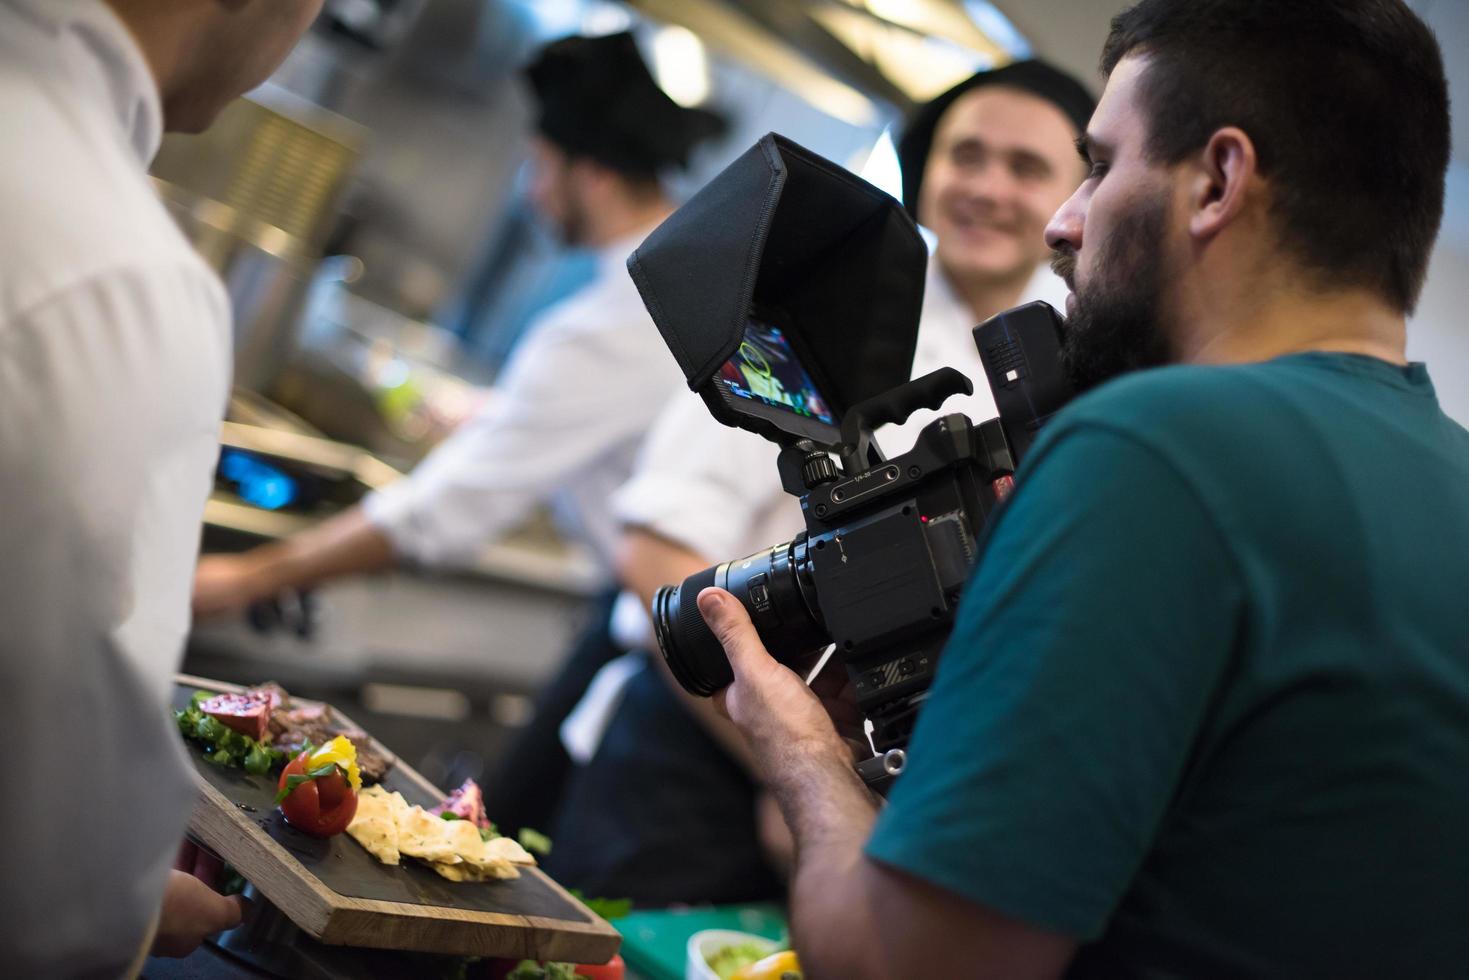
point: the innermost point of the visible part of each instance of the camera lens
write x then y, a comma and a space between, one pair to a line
774, 586
691, 650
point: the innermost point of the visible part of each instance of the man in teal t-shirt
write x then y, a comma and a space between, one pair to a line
1202, 705
1205, 711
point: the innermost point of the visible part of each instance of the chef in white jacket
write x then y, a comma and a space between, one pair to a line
114, 368
667, 807
579, 393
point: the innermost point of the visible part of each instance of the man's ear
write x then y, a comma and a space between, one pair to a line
594, 177
1219, 189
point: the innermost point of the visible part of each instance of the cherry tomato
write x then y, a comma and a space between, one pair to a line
611, 970
320, 807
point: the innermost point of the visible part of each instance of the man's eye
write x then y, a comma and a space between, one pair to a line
968, 156
1098, 170
1029, 170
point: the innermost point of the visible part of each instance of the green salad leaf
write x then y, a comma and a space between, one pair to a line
458, 968
258, 760
607, 908
531, 970
231, 881
223, 746
728, 959
296, 779
485, 833
534, 841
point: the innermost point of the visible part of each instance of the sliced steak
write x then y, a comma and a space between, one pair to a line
293, 726
245, 713
372, 760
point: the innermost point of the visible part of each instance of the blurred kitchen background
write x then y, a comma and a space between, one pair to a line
366, 210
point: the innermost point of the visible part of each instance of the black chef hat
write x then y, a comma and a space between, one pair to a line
1036, 77
598, 100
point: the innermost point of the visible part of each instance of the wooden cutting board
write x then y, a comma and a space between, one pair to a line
338, 893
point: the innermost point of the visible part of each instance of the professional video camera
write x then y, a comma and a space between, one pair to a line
789, 291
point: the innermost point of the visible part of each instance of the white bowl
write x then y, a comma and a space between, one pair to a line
702, 944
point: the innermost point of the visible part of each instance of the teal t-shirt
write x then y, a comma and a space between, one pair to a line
1206, 705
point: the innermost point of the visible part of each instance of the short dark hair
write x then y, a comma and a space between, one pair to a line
1345, 101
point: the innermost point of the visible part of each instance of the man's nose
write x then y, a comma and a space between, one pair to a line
988, 180
1065, 226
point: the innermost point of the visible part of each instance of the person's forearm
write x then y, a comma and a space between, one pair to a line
831, 813
646, 563
345, 544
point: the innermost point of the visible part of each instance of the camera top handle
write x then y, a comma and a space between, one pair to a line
858, 450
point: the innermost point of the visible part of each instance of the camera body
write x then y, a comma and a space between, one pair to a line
889, 549
802, 330
888, 546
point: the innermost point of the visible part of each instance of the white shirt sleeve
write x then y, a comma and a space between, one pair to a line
569, 400
706, 486
111, 394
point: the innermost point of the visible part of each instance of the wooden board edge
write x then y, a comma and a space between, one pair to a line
226, 830
405, 910
388, 925
204, 683
592, 917
590, 943
464, 937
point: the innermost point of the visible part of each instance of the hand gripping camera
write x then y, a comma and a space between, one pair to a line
789, 291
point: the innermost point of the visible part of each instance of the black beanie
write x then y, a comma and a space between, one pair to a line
597, 99
1035, 77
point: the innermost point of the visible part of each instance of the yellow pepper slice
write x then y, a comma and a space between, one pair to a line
777, 966
342, 752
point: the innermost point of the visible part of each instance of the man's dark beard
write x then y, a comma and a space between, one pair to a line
1115, 324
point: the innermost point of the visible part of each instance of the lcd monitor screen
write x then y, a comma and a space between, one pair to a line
765, 371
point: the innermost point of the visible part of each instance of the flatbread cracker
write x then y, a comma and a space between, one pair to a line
465, 871
423, 835
388, 828
464, 837
456, 872
478, 853
375, 824
510, 850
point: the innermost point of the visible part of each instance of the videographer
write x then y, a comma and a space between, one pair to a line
668, 806
1205, 711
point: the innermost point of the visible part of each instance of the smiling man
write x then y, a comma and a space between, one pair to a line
984, 166
1205, 711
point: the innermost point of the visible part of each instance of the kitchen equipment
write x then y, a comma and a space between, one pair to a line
258, 195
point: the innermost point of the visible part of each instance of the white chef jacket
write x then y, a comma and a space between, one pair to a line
714, 489
562, 427
114, 369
